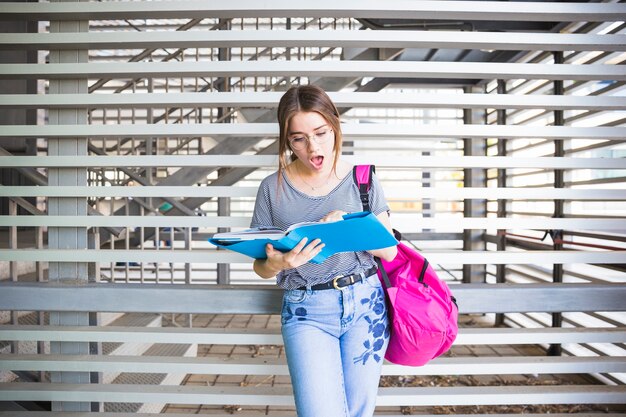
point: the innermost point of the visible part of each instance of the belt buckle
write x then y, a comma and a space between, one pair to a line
337, 287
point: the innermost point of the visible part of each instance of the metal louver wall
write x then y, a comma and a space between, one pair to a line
498, 133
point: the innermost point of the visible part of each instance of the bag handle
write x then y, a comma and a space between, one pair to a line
362, 175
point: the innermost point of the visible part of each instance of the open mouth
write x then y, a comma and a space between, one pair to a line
317, 161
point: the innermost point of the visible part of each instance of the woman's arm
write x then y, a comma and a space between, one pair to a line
276, 260
264, 270
385, 253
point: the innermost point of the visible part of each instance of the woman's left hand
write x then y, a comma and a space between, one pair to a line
333, 216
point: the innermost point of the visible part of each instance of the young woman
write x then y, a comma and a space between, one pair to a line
334, 320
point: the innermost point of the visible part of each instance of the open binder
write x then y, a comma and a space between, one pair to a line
356, 232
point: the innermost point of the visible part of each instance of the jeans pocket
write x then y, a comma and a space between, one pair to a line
293, 309
295, 296
373, 281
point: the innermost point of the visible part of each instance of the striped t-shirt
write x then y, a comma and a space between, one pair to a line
289, 206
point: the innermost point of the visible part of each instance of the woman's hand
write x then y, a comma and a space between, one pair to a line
277, 261
333, 216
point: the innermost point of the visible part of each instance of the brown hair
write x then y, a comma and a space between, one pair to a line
305, 98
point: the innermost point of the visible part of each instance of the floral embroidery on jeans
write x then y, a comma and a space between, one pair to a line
300, 313
378, 328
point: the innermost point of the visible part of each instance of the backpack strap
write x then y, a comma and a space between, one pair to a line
362, 175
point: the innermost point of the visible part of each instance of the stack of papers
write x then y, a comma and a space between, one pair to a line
260, 233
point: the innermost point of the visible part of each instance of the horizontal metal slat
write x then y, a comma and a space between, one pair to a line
123, 191
220, 336
116, 414
245, 336
282, 414
269, 100
222, 256
147, 161
329, 68
126, 221
282, 396
223, 221
350, 131
213, 299
581, 394
393, 9
253, 161
274, 366
318, 38
392, 193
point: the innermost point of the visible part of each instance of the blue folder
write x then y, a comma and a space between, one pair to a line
356, 232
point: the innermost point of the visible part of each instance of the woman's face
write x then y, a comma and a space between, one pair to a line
312, 140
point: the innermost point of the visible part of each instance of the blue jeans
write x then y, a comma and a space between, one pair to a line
335, 342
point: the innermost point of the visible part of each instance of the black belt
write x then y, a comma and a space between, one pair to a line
341, 281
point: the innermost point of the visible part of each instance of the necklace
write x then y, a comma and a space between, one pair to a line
313, 188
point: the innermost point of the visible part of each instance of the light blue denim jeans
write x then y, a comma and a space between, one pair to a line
335, 342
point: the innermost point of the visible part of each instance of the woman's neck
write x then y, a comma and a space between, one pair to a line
313, 183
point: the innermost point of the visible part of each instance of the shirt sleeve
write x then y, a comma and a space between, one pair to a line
262, 215
378, 203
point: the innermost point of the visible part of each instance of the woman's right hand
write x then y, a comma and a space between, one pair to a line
299, 255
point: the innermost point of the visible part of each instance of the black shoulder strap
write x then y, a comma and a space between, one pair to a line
362, 176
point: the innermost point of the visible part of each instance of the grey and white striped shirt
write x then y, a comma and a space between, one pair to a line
289, 206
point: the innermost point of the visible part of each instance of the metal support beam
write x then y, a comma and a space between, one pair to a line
223, 203
68, 273
474, 208
15, 347
559, 151
223, 209
502, 203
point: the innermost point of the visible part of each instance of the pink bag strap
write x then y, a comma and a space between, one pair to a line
362, 175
